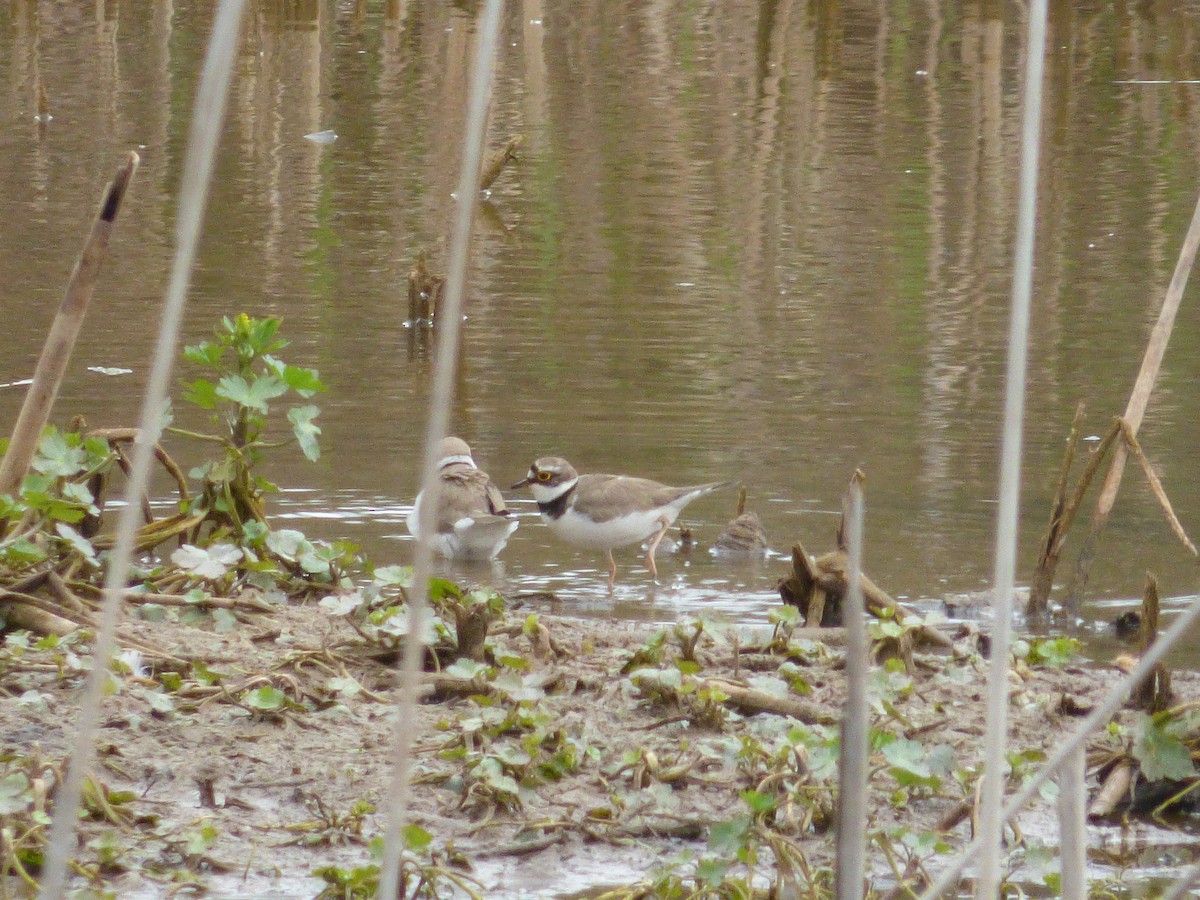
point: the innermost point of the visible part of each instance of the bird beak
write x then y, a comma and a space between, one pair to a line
524, 481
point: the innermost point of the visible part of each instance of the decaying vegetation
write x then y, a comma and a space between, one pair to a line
246, 732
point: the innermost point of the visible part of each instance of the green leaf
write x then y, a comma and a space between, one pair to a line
77, 542
759, 803
727, 837
711, 871
400, 576
207, 353
908, 756
416, 838
306, 432
343, 687
441, 588
265, 698
201, 392
288, 543
160, 702
466, 668
784, 615
15, 794
252, 394
200, 840
1159, 751
58, 456
304, 382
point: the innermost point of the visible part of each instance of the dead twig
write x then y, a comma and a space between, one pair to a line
60, 342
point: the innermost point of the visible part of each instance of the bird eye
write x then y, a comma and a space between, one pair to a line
544, 476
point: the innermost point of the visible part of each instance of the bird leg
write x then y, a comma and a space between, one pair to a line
612, 571
658, 536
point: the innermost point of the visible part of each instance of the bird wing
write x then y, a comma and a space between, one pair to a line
495, 499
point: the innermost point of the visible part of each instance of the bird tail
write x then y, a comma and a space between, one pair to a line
483, 536
700, 490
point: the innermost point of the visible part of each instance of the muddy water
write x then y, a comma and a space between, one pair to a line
766, 241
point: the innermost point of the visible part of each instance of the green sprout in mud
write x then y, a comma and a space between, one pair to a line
700, 702
1052, 652
507, 745
424, 873
245, 379
743, 854
55, 510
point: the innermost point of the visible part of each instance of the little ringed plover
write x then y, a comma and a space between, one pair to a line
471, 519
607, 511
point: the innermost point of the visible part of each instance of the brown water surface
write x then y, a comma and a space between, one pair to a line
764, 241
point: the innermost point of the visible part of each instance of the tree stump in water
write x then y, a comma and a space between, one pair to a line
818, 589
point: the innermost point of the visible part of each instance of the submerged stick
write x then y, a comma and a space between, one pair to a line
497, 160
1156, 349
60, 342
1043, 576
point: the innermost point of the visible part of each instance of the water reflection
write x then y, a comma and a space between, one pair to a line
765, 241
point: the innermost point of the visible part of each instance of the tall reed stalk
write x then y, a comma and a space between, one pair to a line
442, 393
852, 776
990, 822
197, 172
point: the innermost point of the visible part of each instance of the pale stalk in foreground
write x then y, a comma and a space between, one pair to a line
991, 824
449, 317
197, 172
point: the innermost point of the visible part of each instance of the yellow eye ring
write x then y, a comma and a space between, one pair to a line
544, 476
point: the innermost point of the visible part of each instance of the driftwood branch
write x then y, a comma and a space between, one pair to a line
1114, 790
60, 342
1139, 398
752, 701
816, 588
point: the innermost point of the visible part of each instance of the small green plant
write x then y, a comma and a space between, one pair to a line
1052, 652
245, 379
56, 505
421, 874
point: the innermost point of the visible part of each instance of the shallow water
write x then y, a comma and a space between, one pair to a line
762, 241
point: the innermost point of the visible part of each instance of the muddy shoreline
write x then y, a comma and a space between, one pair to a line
579, 754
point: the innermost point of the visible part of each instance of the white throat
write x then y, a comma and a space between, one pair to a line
543, 493
460, 458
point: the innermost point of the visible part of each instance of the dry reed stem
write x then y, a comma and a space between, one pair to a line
1072, 818
441, 395
203, 135
1131, 442
60, 342
1139, 398
1042, 581
853, 761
